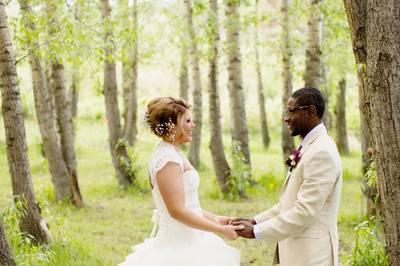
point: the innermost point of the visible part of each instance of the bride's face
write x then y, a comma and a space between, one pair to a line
185, 128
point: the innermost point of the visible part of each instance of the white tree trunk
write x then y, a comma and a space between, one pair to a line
121, 161
221, 166
130, 128
312, 74
57, 166
235, 83
63, 111
17, 150
194, 148
287, 140
260, 87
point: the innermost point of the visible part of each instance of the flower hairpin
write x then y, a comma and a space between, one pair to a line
293, 159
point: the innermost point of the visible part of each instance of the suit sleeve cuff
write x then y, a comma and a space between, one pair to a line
257, 231
255, 219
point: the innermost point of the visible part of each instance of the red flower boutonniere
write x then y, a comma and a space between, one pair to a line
293, 159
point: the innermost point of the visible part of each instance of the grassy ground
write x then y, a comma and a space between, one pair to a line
112, 220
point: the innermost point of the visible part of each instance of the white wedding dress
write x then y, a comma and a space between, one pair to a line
176, 244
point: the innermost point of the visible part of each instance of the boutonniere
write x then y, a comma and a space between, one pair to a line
293, 159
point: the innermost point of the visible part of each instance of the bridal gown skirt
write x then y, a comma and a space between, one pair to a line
180, 245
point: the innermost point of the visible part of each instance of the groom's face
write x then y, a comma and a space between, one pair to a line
296, 118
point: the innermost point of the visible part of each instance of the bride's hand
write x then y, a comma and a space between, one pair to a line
228, 231
224, 220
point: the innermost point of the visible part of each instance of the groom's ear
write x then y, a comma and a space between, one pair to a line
312, 110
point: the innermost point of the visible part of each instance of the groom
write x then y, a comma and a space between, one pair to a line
304, 222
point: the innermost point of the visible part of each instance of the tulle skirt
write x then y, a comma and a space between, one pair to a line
189, 247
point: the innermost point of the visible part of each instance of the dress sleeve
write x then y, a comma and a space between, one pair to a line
160, 159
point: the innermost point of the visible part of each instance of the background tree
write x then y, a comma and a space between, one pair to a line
120, 158
18, 162
312, 74
130, 127
261, 98
184, 73
44, 113
357, 16
383, 82
194, 148
324, 87
6, 258
221, 166
75, 76
237, 104
287, 140
382, 62
63, 109
341, 128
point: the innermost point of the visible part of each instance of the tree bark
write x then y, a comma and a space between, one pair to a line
325, 89
6, 258
17, 150
184, 74
130, 129
74, 92
57, 166
221, 166
194, 148
374, 27
287, 140
357, 14
235, 83
312, 74
63, 111
341, 128
383, 84
261, 97
120, 158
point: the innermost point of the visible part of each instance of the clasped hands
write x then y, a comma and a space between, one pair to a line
244, 226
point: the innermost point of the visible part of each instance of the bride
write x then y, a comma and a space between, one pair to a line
185, 234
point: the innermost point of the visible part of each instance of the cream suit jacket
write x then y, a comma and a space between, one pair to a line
304, 222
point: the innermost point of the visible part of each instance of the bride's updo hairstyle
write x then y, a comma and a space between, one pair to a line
163, 115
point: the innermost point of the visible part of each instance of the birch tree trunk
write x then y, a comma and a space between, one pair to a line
74, 92
63, 111
130, 128
6, 258
383, 84
357, 14
374, 29
221, 166
341, 127
261, 98
325, 89
57, 166
121, 161
235, 83
194, 148
184, 73
287, 140
17, 150
312, 74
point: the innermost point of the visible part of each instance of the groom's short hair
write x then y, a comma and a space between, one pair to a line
310, 96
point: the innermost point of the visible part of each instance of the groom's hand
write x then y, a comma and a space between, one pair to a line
247, 231
243, 219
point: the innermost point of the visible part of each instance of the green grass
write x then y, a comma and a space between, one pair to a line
102, 232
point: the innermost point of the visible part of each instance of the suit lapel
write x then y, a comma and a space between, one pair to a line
305, 146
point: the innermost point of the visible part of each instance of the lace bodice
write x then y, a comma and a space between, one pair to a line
163, 153
175, 243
